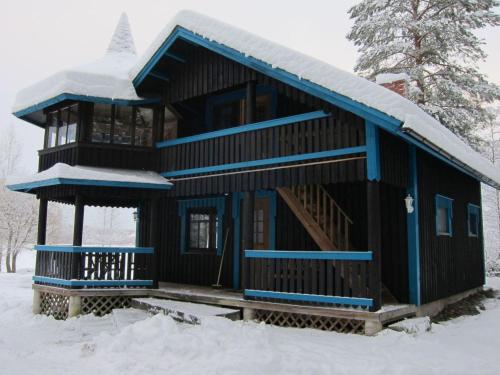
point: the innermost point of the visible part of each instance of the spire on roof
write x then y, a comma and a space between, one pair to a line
122, 40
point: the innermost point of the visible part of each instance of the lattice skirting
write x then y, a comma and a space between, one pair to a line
55, 305
102, 305
286, 319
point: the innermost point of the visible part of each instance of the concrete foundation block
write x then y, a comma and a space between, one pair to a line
248, 314
75, 306
37, 302
372, 327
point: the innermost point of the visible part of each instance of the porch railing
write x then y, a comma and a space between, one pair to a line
310, 277
93, 266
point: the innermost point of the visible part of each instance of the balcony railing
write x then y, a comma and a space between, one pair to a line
93, 266
310, 277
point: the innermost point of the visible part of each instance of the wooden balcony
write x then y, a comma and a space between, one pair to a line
89, 267
100, 155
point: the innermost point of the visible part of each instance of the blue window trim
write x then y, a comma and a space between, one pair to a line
444, 202
236, 213
237, 95
476, 210
219, 203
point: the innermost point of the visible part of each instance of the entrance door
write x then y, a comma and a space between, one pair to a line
261, 224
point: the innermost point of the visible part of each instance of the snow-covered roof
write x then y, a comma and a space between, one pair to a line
64, 174
107, 77
307, 68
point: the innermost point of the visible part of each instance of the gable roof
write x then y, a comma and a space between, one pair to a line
346, 90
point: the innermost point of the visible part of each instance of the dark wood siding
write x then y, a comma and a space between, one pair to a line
448, 265
394, 161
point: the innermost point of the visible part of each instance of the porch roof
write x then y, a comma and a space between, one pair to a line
63, 174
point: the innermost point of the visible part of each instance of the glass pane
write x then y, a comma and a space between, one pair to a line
442, 220
228, 114
51, 137
473, 223
264, 107
204, 235
169, 125
143, 127
101, 123
63, 128
193, 235
72, 123
122, 132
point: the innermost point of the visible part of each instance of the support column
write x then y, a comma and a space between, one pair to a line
75, 306
77, 236
37, 302
42, 222
153, 238
374, 241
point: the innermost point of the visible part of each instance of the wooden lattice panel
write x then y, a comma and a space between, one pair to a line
285, 319
55, 305
102, 305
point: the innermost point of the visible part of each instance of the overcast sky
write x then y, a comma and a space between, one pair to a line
40, 37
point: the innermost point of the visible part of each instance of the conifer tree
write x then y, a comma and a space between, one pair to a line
433, 42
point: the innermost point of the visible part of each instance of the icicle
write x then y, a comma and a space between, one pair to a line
122, 40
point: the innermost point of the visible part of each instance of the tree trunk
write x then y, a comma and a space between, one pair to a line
13, 262
1, 258
7, 262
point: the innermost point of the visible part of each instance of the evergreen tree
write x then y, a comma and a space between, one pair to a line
433, 42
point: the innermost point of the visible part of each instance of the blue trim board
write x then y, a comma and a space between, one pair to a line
219, 203
354, 301
93, 249
106, 283
413, 231
313, 255
265, 162
244, 128
83, 98
372, 151
81, 182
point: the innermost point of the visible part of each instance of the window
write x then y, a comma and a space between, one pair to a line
444, 215
229, 110
169, 122
122, 125
202, 229
474, 219
201, 225
62, 126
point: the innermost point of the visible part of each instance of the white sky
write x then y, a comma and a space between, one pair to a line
40, 37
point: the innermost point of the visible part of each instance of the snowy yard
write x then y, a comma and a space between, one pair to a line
131, 342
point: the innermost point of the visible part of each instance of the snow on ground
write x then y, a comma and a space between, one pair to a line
131, 342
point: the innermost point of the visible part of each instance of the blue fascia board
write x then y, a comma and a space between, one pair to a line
81, 182
353, 301
83, 98
313, 255
95, 283
93, 249
413, 231
265, 162
245, 128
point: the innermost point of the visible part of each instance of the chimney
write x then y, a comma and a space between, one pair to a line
394, 82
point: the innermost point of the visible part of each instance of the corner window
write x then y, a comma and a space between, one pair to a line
444, 215
201, 225
122, 125
62, 126
168, 124
474, 219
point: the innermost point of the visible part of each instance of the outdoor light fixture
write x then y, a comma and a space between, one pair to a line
409, 204
136, 216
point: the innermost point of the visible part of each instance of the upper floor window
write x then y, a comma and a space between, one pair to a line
122, 125
62, 126
473, 219
229, 109
169, 124
444, 215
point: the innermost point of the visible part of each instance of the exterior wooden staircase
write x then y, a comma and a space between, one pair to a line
321, 216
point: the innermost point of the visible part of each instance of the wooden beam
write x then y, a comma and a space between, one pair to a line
160, 76
175, 57
42, 222
77, 236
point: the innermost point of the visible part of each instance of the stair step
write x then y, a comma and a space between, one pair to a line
186, 312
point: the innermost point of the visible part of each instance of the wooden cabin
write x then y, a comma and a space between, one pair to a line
310, 196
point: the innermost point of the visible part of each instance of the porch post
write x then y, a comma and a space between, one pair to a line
77, 236
153, 238
374, 241
42, 222
249, 196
